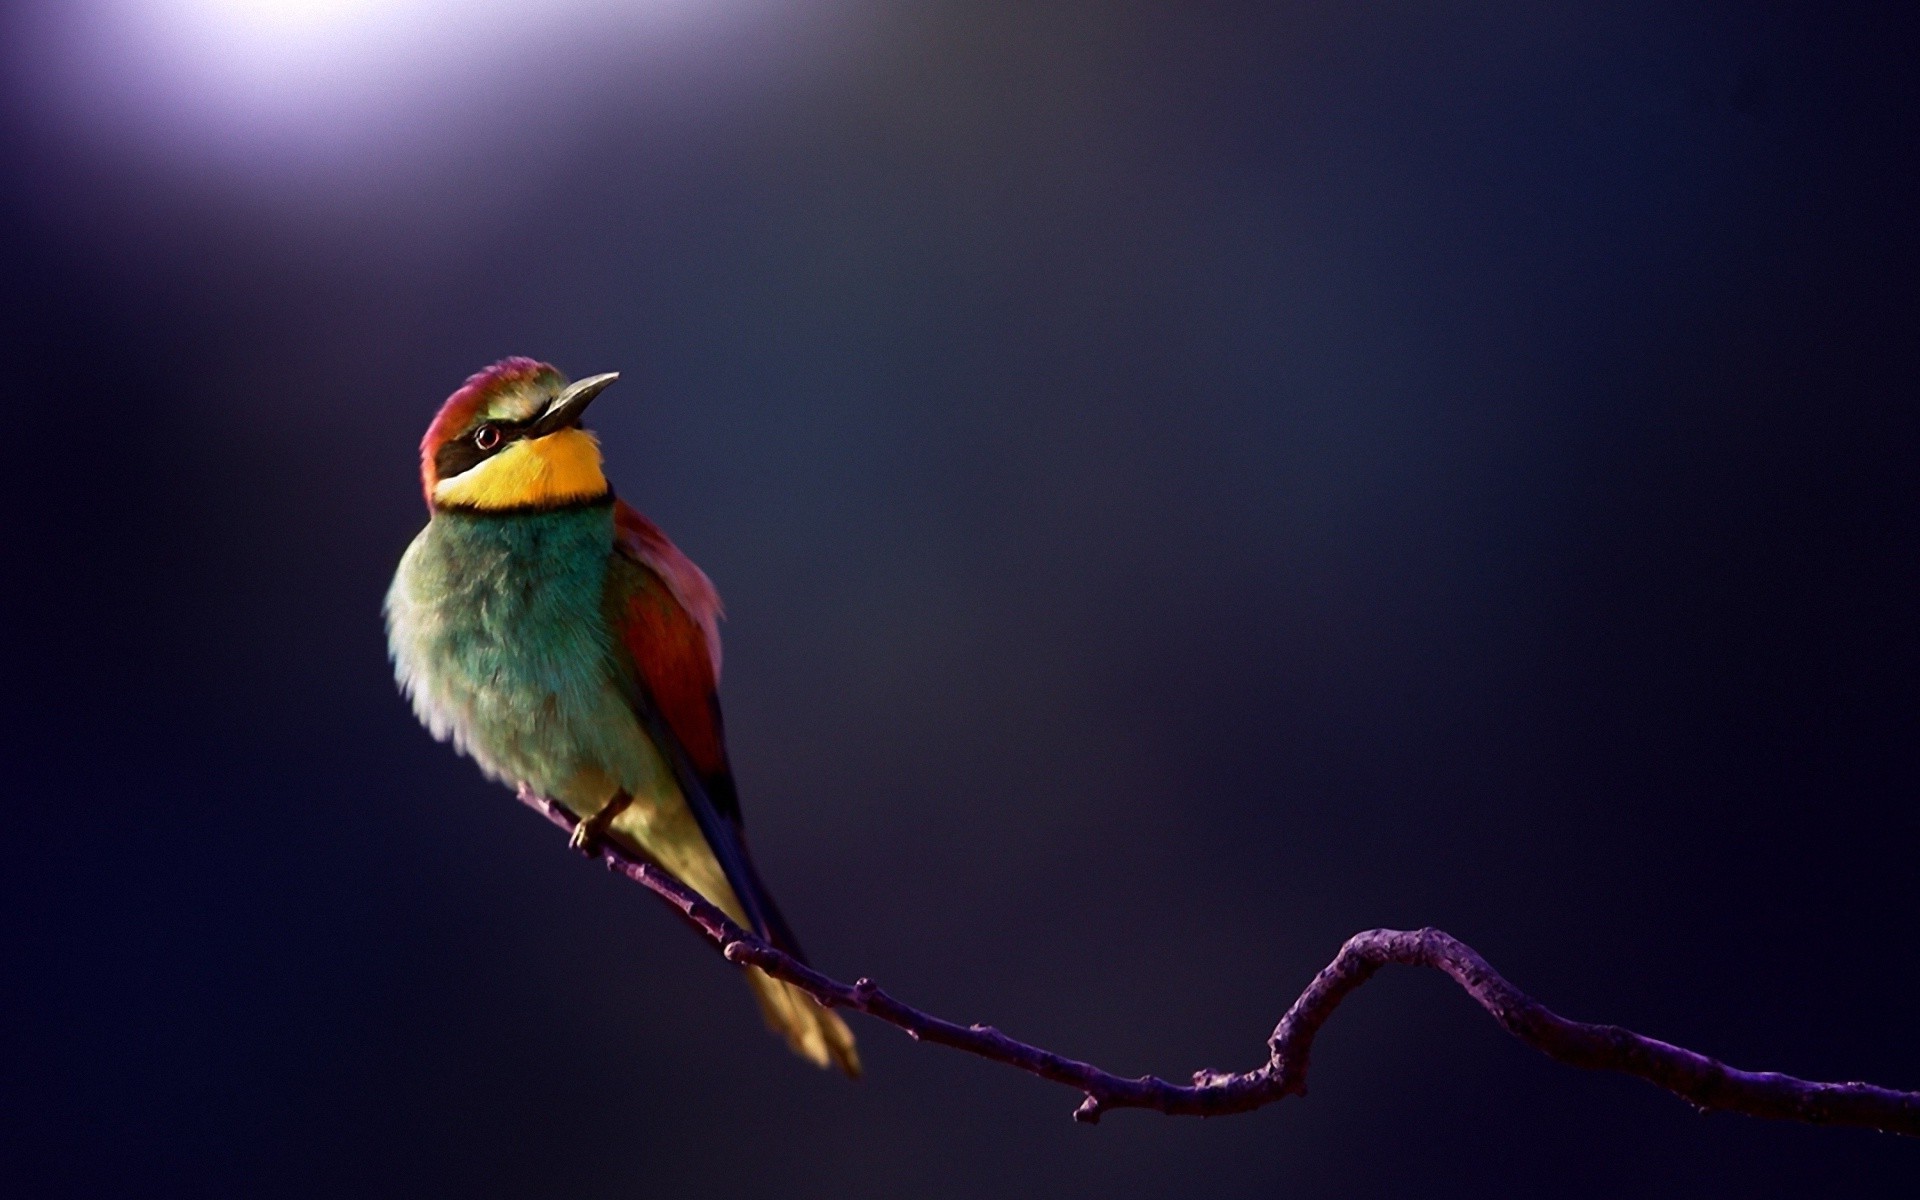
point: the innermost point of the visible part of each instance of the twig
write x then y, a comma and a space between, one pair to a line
1706, 1083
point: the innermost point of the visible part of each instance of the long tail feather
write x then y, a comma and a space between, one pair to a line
816, 1034
678, 841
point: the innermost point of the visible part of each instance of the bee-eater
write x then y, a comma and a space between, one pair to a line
556, 637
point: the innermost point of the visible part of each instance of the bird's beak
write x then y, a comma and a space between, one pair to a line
568, 406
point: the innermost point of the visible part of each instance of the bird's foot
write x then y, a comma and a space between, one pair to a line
591, 833
588, 836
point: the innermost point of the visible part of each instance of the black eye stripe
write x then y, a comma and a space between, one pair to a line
459, 455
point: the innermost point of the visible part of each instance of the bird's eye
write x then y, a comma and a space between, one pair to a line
486, 437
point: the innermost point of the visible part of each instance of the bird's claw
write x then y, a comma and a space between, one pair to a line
586, 838
591, 832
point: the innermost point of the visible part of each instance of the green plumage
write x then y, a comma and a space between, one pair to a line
499, 636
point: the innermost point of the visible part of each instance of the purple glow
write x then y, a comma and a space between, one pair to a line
336, 94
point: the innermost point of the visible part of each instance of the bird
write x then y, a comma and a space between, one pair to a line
560, 640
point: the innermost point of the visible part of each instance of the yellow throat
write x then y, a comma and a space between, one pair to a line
560, 468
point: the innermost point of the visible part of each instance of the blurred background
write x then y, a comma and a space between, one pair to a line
1190, 483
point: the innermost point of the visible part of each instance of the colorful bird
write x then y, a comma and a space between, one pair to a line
556, 637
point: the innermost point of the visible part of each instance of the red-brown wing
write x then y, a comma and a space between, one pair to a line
666, 614
641, 540
672, 653
668, 655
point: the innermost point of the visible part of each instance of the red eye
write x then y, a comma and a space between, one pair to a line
486, 437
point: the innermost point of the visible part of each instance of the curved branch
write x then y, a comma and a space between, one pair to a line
1705, 1083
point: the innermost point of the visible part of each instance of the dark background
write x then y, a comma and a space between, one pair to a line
1189, 486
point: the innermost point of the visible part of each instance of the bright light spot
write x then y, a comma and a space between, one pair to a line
319, 55
298, 78
332, 116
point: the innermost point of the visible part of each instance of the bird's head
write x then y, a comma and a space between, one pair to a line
510, 438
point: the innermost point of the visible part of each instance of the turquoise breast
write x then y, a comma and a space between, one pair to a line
498, 637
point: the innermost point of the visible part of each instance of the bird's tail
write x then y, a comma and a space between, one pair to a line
815, 1033
671, 837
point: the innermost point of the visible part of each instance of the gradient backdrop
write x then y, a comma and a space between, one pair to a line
1190, 483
